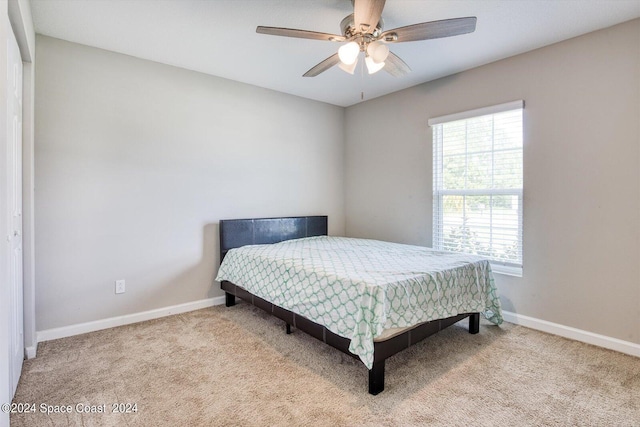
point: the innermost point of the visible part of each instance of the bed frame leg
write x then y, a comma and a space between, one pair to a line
229, 299
474, 323
376, 378
288, 329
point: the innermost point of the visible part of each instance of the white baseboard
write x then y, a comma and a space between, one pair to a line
518, 319
83, 328
573, 333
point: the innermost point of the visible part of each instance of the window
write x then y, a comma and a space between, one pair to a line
477, 184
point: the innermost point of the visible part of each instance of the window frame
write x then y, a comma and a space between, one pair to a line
514, 269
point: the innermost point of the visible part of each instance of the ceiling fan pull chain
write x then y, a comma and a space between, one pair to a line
362, 82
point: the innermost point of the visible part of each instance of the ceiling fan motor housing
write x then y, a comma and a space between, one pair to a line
349, 30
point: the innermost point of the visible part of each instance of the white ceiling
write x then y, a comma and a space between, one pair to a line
218, 37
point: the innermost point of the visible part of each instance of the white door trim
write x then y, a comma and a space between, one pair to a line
13, 212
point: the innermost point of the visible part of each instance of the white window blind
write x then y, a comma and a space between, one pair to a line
477, 184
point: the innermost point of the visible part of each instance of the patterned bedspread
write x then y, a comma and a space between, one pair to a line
356, 288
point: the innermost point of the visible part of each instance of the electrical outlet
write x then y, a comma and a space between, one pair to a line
120, 288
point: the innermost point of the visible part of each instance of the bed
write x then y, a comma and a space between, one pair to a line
366, 298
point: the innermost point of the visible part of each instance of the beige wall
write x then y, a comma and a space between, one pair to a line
581, 174
135, 164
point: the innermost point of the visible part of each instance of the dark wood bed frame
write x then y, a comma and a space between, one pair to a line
240, 232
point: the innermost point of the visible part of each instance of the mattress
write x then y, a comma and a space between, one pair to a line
358, 288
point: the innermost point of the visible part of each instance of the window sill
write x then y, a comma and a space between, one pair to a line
506, 270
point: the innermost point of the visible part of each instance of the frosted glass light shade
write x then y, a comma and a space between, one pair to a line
378, 51
348, 53
372, 66
349, 68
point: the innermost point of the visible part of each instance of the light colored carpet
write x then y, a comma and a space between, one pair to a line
236, 366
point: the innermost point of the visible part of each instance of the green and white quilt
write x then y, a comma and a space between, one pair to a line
357, 288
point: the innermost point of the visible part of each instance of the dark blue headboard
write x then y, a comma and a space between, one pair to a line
257, 231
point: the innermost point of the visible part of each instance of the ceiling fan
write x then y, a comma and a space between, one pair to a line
363, 32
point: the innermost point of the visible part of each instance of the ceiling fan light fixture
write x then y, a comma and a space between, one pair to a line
378, 51
349, 68
362, 31
348, 53
372, 66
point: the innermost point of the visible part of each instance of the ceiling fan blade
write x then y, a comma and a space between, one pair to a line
396, 66
301, 34
323, 66
366, 14
431, 30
